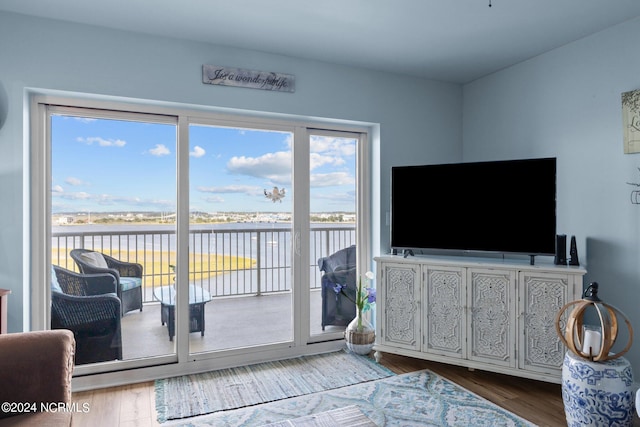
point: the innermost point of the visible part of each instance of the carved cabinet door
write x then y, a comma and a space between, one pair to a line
542, 295
444, 326
399, 305
491, 332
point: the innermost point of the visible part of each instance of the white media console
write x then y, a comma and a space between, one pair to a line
490, 314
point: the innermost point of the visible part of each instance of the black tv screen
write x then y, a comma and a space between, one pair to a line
497, 206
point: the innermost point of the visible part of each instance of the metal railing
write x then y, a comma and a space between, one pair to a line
249, 260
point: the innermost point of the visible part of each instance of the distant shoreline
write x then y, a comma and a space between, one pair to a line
152, 217
145, 223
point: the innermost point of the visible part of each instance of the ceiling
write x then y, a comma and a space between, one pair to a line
448, 40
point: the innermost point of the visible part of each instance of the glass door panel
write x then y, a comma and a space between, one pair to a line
240, 237
332, 237
113, 187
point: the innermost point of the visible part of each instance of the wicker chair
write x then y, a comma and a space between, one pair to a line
87, 305
338, 268
128, 275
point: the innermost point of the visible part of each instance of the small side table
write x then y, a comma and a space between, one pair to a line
198, 297
4, 296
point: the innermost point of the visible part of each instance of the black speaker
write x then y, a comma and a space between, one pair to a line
573, 251
561, 249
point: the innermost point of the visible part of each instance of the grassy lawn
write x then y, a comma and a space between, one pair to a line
156, 264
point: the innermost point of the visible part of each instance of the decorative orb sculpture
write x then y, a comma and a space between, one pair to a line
593, 343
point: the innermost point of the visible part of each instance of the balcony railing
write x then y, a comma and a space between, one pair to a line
245, 260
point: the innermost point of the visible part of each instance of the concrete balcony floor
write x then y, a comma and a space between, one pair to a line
230, 322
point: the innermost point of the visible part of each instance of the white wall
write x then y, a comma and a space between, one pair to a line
567, 103
419, 120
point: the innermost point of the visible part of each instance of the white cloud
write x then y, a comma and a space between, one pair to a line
84, 119
331, 146
57, 189
316, 160
337, 198
330, 151
271, 165
111, 200
214, 199
102, 142
197, 152
73, 181
331, 179
229, 189
80, 195
160, 150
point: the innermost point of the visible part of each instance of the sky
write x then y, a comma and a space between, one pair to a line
104, 165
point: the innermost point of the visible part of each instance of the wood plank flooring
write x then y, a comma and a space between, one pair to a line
536, 401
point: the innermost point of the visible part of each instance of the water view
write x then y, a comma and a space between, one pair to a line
226, 259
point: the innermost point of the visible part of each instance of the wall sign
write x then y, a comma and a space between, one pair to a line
239, 77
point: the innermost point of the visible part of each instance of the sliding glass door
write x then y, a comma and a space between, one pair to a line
112, 211
240, 236
200, 235
332, 234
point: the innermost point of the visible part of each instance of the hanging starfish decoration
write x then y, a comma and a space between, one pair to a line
275, 195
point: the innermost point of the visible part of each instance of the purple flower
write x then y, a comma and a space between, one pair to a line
371, 296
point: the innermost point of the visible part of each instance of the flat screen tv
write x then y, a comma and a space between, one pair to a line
497, 206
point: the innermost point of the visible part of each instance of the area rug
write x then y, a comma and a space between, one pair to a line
349, 416
415, 399
225, 389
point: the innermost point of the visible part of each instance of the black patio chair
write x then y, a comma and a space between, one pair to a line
128, 275
339, 269
87, 305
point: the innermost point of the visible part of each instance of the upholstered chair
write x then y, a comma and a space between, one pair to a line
339, 268
128, 275
35, 372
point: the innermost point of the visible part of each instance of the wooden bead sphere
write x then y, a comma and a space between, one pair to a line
573, 336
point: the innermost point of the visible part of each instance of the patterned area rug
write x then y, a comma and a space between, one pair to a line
416, 399
349, 416
225, 389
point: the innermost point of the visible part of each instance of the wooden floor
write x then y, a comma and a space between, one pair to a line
538, 402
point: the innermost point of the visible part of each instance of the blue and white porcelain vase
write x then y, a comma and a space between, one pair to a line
597, 393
